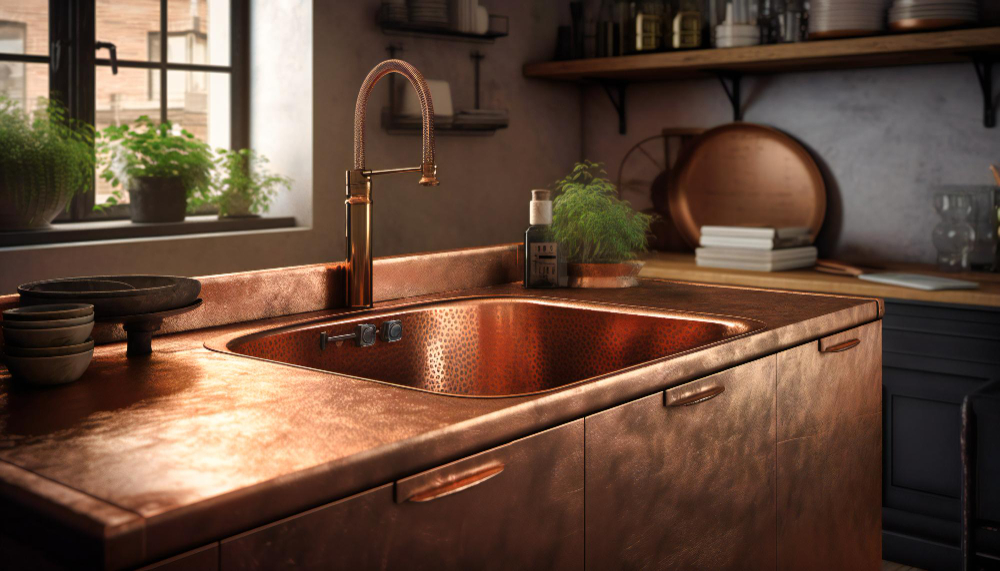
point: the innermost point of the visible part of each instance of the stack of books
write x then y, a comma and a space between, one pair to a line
754, 248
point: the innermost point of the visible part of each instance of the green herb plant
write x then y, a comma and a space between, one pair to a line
243, 184
591, 222
45, 157
150, 149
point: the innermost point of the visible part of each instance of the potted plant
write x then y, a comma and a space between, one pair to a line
44, 161
162, 170
600, 233
244, 187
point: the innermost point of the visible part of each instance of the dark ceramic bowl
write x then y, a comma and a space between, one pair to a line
55, 370
48, 312
12, 351
115, 296
57, 337
49, 324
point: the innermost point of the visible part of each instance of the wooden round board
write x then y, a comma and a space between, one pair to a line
741, 174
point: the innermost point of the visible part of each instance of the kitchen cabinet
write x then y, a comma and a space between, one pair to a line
518, 506
829, 452
775, 463
684, 479
202, 559
935, 354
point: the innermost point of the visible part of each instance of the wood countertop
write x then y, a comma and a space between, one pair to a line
145, 458
681, 266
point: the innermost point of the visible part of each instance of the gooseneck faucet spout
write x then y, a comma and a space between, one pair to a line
359, 178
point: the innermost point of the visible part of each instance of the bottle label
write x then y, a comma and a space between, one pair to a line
544, 263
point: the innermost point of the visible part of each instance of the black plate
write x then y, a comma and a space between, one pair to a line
115, 296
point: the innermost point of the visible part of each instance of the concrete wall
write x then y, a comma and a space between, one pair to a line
485, 181
303, 116
886, 136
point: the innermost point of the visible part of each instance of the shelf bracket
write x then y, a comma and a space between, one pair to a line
984, 71
732, 90
616, 93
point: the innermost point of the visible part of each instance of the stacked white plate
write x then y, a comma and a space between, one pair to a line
736, 35
429, 12
836, 18
925, 14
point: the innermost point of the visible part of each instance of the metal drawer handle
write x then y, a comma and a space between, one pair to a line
456, 486
839, 347
694, 398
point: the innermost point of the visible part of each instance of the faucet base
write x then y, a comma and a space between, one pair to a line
359, 239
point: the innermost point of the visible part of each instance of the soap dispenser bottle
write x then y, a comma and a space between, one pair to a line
544, 259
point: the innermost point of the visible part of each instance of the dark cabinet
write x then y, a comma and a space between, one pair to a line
518, 506
829, 452
684, 479
934, 356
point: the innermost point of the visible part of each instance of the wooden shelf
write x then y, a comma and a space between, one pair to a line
681, 267
875, 51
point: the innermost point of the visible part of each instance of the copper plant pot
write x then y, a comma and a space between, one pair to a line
35, 213
604, 276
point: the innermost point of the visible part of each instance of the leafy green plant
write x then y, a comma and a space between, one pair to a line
149, 149
243, 183
591, 222
44, 158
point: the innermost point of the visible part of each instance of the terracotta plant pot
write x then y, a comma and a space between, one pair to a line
604, 276
157, 199
35, 213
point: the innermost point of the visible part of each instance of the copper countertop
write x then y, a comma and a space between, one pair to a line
190, 445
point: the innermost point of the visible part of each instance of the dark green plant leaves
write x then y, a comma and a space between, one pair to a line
591, 222
45, 157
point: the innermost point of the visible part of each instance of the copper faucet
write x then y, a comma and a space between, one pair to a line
359, 179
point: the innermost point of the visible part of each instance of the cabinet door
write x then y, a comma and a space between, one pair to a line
684, 479
830, 452
518, 506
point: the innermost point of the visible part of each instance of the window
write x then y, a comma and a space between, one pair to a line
197, 79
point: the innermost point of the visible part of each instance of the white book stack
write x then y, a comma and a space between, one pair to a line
754, 248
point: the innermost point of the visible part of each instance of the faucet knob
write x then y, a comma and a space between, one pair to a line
428, 175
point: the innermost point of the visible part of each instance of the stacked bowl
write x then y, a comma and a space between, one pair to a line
931, 14
48, 344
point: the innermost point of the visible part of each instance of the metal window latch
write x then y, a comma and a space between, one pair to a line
112, 54
57, 49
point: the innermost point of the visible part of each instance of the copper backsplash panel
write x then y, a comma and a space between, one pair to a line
263, 294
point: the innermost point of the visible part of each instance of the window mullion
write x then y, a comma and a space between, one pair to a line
163, 61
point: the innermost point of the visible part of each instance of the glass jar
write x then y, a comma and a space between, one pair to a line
954, 236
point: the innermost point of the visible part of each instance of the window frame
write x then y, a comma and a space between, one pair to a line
73, 63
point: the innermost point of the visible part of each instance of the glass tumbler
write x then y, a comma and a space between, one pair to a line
954, 236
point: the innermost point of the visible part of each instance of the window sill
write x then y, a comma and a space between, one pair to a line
69, 232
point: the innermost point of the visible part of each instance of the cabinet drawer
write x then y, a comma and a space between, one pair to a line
824, 383
517, 506
684, 479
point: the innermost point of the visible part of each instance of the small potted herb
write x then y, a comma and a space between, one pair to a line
44, 161
600, 233
244, 186
162, 170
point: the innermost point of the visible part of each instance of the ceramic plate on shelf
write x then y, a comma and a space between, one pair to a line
742, 174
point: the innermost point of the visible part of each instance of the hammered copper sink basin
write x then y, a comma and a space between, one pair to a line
489, 347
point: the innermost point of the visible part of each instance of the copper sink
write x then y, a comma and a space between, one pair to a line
497, 346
